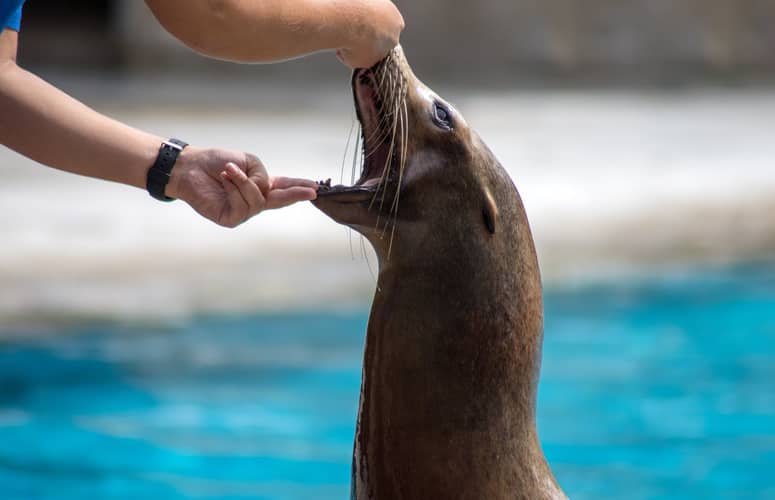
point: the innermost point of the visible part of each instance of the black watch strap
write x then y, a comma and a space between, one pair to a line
159, 173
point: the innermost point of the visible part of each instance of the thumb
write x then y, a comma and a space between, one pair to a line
282, 197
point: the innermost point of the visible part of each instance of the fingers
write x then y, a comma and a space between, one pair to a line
247, 187
282, 197
288, 190
249, 190
287, 182
243, 196
228, 187
245, 199
235, 209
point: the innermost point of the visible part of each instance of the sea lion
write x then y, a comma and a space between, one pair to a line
453, 347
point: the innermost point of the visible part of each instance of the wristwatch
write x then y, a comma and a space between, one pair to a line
160, 171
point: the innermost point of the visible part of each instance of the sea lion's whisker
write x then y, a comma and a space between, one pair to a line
386, 76
384, 193
388, 159
376, 143
405, 139
347, 146
384, 176
383, 183
356, 155
402, 165
391, 115
389, 136
401, 121
379, 135
386, 115
356, 151
385, 68
402, 115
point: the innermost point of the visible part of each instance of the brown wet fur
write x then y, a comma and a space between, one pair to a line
453, 347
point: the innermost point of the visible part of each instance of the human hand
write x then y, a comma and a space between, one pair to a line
228, 187
376, 37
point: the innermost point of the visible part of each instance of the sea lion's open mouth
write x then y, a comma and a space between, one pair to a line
374, 99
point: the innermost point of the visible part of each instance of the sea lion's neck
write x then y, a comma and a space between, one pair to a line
450, 374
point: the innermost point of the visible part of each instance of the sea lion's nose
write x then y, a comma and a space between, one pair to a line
398, 53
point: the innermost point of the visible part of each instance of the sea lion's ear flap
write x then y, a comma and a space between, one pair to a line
489, 212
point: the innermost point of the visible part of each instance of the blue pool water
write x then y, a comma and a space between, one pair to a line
661, 388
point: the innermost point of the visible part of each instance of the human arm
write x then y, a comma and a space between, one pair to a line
361, 31
45, 124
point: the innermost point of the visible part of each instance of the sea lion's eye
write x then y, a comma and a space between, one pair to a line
441, 116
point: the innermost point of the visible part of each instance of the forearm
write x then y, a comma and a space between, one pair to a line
47, 125
272, 30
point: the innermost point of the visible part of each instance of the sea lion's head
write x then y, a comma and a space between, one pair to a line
428, 181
